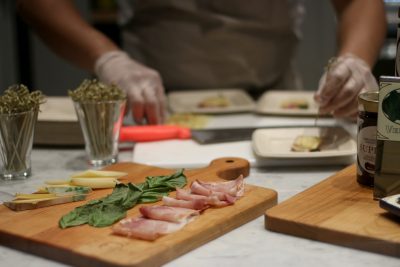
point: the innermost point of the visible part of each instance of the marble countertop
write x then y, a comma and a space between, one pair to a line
249, 245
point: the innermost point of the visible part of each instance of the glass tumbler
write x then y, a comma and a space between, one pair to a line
16, 139
100, 123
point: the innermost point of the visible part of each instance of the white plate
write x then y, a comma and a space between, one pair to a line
276, 143
272, 102
57, 108
188, 101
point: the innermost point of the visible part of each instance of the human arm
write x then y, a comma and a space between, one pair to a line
62, 28
361, 33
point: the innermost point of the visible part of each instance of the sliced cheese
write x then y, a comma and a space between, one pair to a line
19, 196
95, 183
68, 190
99, 174
58, 182
44, 189
32, 200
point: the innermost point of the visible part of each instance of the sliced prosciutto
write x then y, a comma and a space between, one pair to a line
170, 214
146, 229
196, 204
176, 212
234, 188
215, 200
187, 195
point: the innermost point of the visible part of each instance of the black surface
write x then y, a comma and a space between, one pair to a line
393, 208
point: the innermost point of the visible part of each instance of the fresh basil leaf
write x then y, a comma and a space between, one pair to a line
105, 215
111, 208
78, 216
131, 199
150, 197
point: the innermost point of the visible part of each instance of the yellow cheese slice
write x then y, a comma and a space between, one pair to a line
19, 196
99, 174
58, 182
95, 183
32, 200
43, 189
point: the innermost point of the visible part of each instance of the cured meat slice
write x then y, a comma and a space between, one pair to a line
146, 229
167, 213
216, 199
199, 189
187, 195
177, 212
196, 204
234, 188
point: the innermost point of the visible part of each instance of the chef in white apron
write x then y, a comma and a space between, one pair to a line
200, 44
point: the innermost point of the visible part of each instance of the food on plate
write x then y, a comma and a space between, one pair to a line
175, 213
306, 143
218, 101
111, 208
193, 121
298, 103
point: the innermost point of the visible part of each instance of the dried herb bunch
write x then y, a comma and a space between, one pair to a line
17, 98
100, 109
18, 115
93, 91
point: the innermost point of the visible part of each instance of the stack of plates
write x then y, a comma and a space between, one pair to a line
57, 123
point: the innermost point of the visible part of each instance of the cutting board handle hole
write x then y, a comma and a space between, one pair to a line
230, 168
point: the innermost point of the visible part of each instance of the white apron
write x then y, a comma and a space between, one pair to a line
200, 44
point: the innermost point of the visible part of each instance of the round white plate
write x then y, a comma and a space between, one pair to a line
188, 101
277, 143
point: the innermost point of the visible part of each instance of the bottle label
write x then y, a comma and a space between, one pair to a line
389, 111
366, 142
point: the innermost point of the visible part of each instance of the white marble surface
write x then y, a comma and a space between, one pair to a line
248, 245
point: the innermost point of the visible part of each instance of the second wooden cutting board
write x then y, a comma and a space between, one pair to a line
37, 231
339, 211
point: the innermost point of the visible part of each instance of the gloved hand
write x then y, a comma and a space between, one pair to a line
142, 85
345, 78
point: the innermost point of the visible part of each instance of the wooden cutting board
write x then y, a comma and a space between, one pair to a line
339, 211
36, 231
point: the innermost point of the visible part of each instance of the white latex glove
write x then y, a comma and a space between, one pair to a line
345, 78
142, 85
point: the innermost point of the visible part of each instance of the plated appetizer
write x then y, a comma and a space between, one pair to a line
219, 101
295, 104
306, 143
